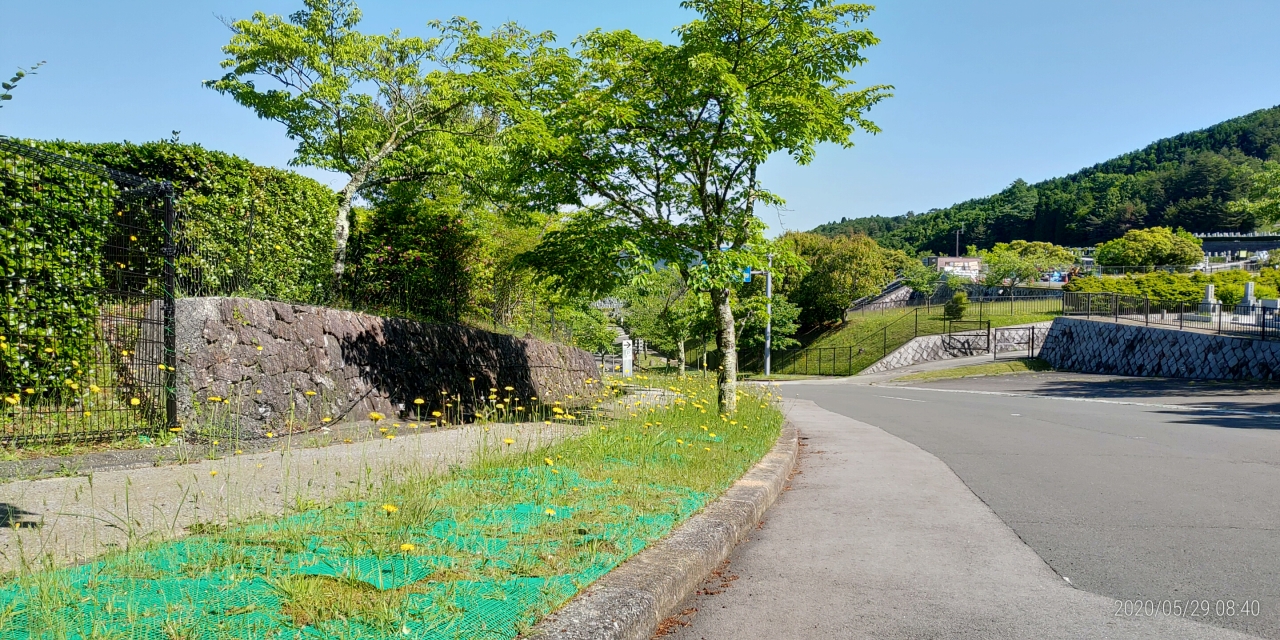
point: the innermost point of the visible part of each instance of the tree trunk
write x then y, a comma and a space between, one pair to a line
342, 230
727, 341
342, 226
681, 358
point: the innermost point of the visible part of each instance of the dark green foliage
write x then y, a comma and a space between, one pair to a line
53, 225
413, 256
955, 307
1185, 181
245, 229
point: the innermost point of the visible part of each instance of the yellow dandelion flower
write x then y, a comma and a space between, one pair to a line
259, 347
679, 441
215, 443
406, 547
310, 393
550, 512
391, 436
135, 401
509, 388
259, 392
382, 429
549, 461
375, 416
390, 508
175, 429
508, 441
215, 398
326, 419
418, 401
270, 434
435, 414
238, 452
213, 472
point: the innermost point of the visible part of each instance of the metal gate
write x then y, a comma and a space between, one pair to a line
1014, 342
967, 337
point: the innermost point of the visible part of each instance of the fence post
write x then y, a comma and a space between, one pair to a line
170, 252
1146, 309
1115, 305
1088, 305
1180, 309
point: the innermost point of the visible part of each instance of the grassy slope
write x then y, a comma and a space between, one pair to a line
866, 335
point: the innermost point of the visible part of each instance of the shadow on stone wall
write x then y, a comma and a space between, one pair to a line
247, 366
403, 360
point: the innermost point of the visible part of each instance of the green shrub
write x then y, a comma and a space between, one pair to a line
1182, 287
955, 307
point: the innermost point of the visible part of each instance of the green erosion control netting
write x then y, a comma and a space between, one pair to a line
486, 572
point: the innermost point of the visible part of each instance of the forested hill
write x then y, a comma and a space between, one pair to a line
1183, 181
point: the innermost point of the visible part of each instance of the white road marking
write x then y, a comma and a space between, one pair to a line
897, 398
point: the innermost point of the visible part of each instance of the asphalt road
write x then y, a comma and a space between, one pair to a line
1133, 489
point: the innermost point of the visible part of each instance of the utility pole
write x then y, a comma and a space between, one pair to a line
768, 325
768, 311
958, 232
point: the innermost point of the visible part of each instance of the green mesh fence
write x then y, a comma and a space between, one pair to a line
486, 572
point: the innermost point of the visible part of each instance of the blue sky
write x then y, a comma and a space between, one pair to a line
986, 91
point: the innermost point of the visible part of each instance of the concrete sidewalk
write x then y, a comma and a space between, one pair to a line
879, 539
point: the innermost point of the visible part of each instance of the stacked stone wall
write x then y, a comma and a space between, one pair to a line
271, 362
959, 345
1092, 346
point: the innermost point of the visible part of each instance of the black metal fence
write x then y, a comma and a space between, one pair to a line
1250, 320
87, 316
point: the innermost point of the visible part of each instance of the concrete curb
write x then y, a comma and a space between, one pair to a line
632, 600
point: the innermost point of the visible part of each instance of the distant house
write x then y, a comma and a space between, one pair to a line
965, 267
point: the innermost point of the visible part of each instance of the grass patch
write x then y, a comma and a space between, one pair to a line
1021, 365
483, 551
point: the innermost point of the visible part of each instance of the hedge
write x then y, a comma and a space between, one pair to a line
245, 230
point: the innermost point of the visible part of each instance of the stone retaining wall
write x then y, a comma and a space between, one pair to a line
959, 345
273, 362
1093, 346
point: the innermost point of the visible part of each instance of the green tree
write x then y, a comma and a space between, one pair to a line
378, 108
664, 311
1148, 247
1021, 261
663, 140
1263, 201
919, 276
414, 254
6, 88
841, 269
